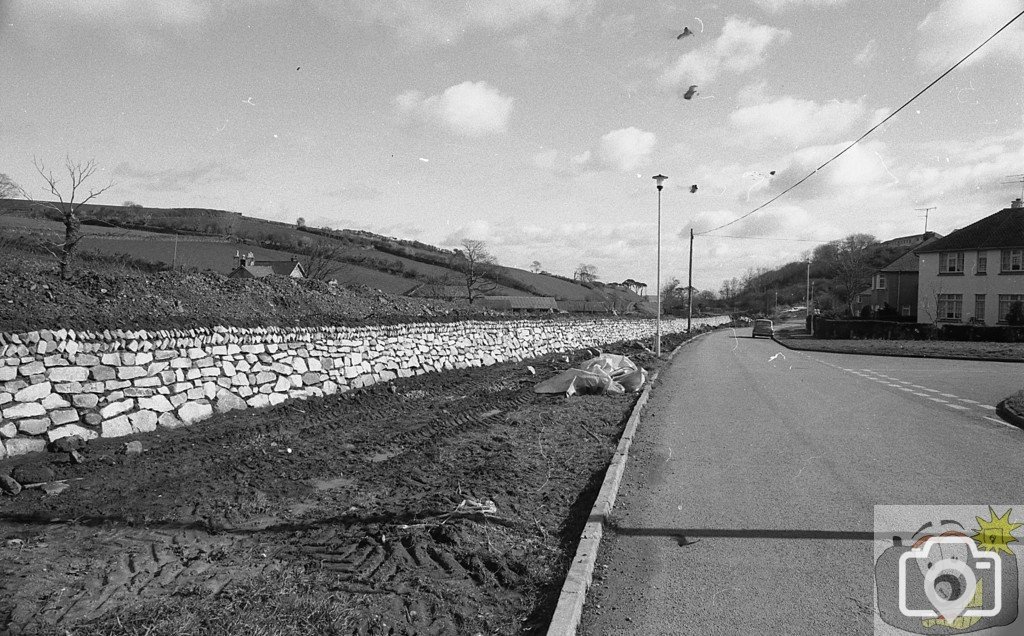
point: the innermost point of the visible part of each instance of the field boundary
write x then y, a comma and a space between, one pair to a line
573, 597
783, 342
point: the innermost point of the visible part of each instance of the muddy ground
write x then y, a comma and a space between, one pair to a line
440, 504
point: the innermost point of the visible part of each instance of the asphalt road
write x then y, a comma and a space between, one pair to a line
747, 502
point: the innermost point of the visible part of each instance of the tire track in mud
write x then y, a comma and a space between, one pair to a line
359, 488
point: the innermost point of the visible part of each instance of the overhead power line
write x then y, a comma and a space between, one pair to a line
871, 130
765, 238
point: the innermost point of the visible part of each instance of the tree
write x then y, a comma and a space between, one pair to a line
849, 263
69, 209
8, 188
300, 222
535, 267
322, 260
585, 273
476, 265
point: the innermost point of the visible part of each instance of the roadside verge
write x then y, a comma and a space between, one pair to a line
573, 596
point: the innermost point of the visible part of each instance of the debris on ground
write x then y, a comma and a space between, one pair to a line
607, 373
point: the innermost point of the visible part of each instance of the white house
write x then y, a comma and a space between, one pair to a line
975, 273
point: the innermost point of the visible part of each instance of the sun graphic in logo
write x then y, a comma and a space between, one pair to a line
996, 534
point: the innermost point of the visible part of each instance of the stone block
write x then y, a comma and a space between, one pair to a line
63, 416
111, 359
21, 410
6, 397
260, 400
195, 393
33, 392
137, 392
8, 373
277, 398
192, 412
115, 408
128, 358
169, 420
264, 377
34, 425
10, 429
130, 373
116, 427
158, 403
178, 399
86, 434
228, 401
181, 363
148, 381
24, 445
68, 374
282, 385
143, 358
114, 385
143, 421
54, 401
32, 368
68, 387
85, 400
93, 418
311, 378
295, 381
193, 374
86, 360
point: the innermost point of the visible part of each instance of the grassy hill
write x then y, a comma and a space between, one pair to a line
207, 240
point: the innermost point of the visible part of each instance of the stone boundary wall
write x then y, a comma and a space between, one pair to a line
55, 384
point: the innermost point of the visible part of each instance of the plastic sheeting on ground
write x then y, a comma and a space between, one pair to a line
607, 373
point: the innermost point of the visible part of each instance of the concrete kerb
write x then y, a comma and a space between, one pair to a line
569, 610
1009, 415
782, 342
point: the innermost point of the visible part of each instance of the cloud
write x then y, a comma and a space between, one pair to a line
740, 48
624, 150
178, 179
119, 12
470, 108
779, 5
957, 26
796, 121
440, 21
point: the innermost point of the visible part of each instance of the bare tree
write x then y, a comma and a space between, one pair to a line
849, 261
585, 273
535, 267
300, 222
476, 265
8, 188
322, 260
69, 209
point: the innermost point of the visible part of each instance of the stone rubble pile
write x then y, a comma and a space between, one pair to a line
55, 384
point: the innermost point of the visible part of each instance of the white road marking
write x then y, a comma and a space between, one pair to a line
1007, 424
917, 386
958, 407
986, 406
969, 401
921, 394
949, 395
903, 388
935, 399
930, 390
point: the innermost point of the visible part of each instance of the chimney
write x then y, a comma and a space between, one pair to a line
250, 260
1017, 203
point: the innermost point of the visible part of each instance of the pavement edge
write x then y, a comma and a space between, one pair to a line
1008, 414
573, 597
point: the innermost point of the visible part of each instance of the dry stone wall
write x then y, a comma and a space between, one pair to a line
55, 384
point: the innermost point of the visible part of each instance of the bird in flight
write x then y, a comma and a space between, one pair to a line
690, 92
686, 33
693, 188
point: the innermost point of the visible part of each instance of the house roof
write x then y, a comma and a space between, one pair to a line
260, 269
909, 262
1003, 229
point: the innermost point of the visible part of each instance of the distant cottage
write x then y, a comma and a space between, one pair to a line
249, 267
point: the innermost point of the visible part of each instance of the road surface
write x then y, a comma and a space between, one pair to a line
747, 502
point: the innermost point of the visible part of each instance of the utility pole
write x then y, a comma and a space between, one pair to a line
174, 261
807, 304
659, 179
689, 287
926, 211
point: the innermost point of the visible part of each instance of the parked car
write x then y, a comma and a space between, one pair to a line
763, 327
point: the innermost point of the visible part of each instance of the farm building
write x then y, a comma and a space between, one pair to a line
249, 267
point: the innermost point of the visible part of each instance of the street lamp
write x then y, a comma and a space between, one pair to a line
658, 179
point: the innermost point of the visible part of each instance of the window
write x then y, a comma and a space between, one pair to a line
982, 263
979, 307
951, 263
950, 306
1012, 261
881, 281
906, 310
1005, 300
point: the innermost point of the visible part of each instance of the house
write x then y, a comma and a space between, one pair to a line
248, 267
895, 285
976, 273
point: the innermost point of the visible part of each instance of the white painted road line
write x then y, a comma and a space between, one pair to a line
921, 394
935, 399
958, 407
1006, 424
969, 401
949, 395
986, 406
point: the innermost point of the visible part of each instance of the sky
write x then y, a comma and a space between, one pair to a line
532, 125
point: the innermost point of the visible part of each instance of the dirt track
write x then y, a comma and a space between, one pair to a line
365, 513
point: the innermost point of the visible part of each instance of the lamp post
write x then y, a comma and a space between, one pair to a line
659, 179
